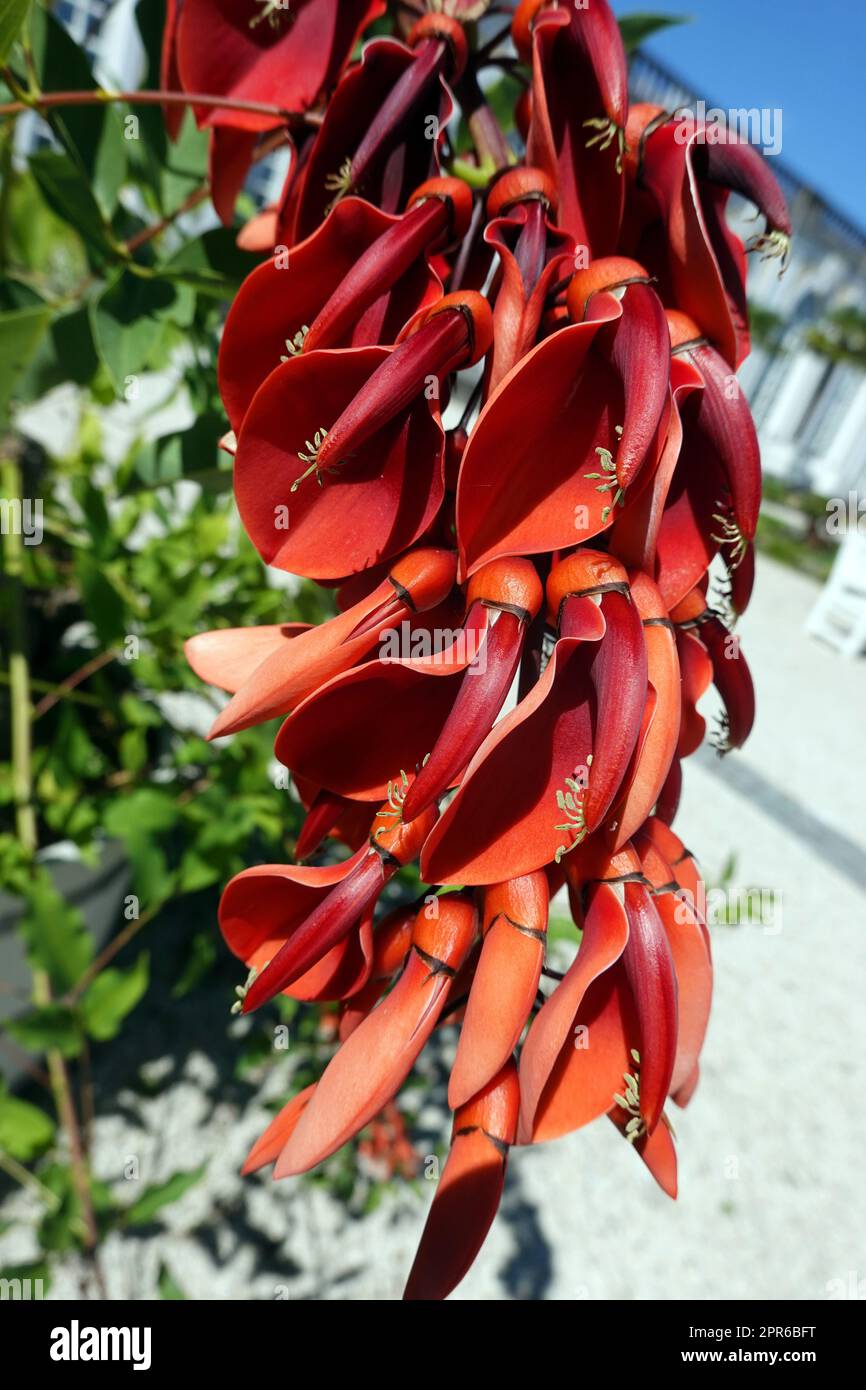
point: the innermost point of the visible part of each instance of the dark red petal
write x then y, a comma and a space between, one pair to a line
639, 348
579, 76
357, 732
474, 709
523, 487
353, 106
326, 926
585, 712
289, 291
650, 971
261, 907
227, 47
732, 679
230, 154
725, 430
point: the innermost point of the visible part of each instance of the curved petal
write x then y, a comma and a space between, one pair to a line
284, 295
267, 1147
230, 154
261, 907
522, 486
374, 1061
374, 503
226, 656
697, 672
694, 973
469, 1190
359, 97
733, 680
588, 1072
504, 987
634, 536
343, 970
552, 1032
356, 732
656, 752
520, 300
579, 108
657, 1151
649, 969
506, 818
225, 48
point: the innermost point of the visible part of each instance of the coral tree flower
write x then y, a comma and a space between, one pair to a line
263, 51
375, 139
288, 918
498, 415
622, 991
690, 172
430, 712
375, 1060
598, 390
355, 282
579, 113
578, 726
533, 254
359, 423
268, 674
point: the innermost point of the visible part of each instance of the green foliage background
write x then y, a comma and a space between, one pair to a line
129, 566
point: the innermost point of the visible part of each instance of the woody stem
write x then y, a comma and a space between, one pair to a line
98, 97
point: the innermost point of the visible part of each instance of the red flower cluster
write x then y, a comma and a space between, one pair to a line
556, 547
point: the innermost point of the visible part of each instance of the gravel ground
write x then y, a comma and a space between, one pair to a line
771, 1199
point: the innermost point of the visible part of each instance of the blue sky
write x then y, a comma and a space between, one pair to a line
807, 57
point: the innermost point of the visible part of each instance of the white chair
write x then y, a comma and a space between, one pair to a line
839, 616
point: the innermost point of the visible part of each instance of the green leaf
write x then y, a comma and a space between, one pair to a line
52, 1026
144, 811
21, 332
167, 1286
93, 136
161, 1195
113, 995
185, 164
65, 353
73, 346
24, 1129
192, 453
12, 16
636, 28
213, 263
37, 1273
138, 819
202, 954
67, 192
104, 605
133, 750
54, 934
128, 320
